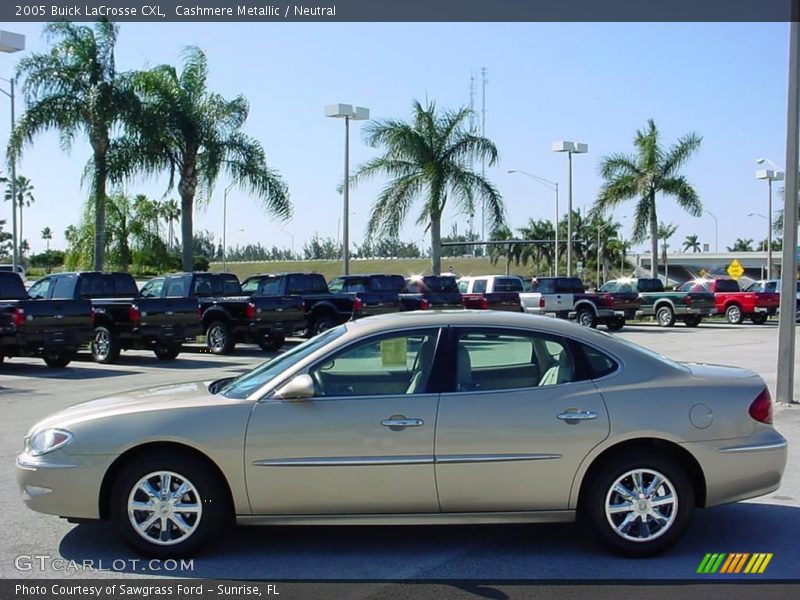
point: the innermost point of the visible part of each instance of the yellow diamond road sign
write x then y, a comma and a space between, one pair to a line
735, 269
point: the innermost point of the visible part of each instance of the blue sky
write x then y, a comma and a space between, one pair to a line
595, 83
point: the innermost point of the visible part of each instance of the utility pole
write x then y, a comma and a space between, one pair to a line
473, 127
484, 81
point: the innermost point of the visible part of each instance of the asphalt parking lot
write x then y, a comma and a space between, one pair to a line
29, 391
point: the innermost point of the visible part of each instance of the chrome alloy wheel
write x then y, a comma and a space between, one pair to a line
641, 505
102, 343
164, 508
216, 337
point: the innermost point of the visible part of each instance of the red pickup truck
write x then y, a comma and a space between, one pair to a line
735, 304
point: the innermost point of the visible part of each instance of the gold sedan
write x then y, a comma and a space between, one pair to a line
419, 418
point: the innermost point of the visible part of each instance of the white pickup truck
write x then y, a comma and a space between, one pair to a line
551, 295
491, 292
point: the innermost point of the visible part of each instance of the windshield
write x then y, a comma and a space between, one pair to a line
241, 387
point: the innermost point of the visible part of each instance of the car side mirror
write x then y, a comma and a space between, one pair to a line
299, 388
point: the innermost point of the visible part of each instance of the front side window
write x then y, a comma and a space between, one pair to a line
388, 365
152, 289
336, 285
39, 289
463, 286
355, 285
250, 286
489, 360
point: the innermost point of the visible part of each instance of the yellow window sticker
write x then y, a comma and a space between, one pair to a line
394, 352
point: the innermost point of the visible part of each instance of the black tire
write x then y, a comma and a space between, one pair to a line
758, 318
615, 324
665, 316
608, 527
58, 359
219, 339
692, 320
105, 347
586, 317
208, 492
167, 351
272, 343
321, 323
734, 314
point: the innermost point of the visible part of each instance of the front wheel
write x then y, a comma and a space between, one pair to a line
168, 506
167, 351
272, 343
639, 506
734, 314
586, 318
105, 347
692, 320
758, 318
322, 323
58, 359
219, 338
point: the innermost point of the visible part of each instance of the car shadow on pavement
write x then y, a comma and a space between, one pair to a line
69, 372
151, 362
498, 552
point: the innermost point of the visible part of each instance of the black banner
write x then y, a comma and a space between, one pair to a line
204, 589
400, 10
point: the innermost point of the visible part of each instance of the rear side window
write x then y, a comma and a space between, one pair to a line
124, 285
96, 286
599, 363
569, 285
650, 285
507, 284
272, 286
62, 289
355, 285
313, 283
231, 286
479, 286
176, 287
727, 285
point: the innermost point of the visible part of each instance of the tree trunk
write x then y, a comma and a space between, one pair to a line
436, 244
100, 147
508, 263
20, 238
653, 237
187, 235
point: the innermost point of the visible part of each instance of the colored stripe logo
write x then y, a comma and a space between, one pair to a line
734, 563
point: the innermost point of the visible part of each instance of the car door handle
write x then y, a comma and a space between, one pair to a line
581, 415
400, 422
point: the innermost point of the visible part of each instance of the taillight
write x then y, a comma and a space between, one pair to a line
134, 316
358, 305
483, 303
541, 302
611, 300
250, 310
687, 299
761, 408
19, 317
199, 313
424, 304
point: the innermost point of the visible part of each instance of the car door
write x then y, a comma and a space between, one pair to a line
515, 424
362, 444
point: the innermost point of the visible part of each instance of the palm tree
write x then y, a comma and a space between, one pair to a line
170, 212
74, 87
645, 175
691, 243
741, 245
47, 235
195, 134
429, 157
24, 193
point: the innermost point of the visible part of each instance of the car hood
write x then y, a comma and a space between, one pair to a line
166, 397
719, 371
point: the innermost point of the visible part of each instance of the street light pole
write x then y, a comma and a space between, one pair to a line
716, 230
770, 175
225, 227
347, 112
12, 42
570, 148
553, 185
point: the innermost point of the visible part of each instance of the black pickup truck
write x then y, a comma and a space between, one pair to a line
322, 309
431, 292
123, 320
52, 329
227, 314
378, 292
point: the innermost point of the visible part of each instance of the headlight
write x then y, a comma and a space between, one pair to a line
46, 441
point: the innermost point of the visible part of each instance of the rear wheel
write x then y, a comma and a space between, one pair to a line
586, 318
665, 316
759, 318
272, 343
167, 351
59, 358
219, 339
322, 323
692, 320
639, 506
734, 314
105, 348
168, 506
